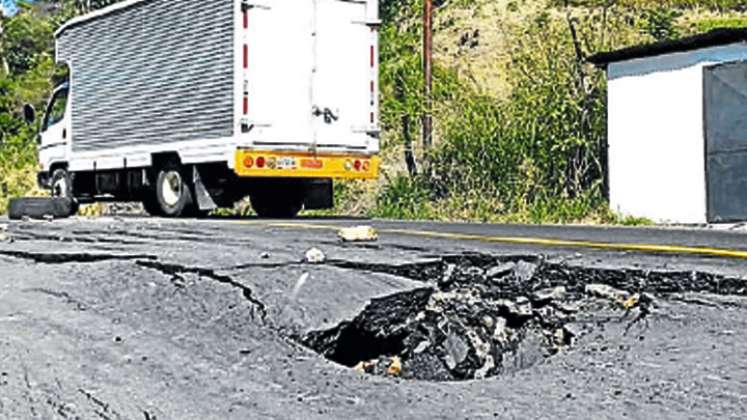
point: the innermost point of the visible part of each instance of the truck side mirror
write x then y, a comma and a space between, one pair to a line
29, 114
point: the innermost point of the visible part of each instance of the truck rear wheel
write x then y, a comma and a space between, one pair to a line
151, 206
280, 204
173, 192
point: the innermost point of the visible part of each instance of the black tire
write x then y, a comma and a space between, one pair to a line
150, 204
174, 192
39, 208
282, 204
61, 186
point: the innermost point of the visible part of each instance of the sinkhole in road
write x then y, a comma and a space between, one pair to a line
479, 316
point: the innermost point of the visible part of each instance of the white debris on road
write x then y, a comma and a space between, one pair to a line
315, 256
358, 234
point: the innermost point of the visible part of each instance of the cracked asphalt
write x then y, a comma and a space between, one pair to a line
128, 318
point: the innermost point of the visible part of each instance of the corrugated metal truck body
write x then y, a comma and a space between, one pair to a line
269, 90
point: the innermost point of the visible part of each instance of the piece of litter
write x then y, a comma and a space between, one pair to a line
632, 302
264, 255
395, 368
315, 256
358, 234
364, 367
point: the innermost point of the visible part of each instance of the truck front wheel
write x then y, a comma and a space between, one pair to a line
61, 186
173, 192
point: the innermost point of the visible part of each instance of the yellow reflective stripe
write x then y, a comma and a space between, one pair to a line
515, 240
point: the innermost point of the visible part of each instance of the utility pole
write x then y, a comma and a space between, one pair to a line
428, 73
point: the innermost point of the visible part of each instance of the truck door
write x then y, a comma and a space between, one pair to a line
55, 131
277, 77
344, 82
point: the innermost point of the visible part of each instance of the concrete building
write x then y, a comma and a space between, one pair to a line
677, 128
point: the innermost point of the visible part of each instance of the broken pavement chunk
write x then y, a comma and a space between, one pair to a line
315, 256
358, 234
500, 270
524, 271
607, 292
456, 351
545, 296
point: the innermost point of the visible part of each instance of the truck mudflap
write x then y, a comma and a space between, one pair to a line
253, 163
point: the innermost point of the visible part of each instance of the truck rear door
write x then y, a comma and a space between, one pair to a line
277, 59
344, 75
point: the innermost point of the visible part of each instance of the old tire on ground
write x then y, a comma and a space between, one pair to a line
283, 203
174, 192
39, 208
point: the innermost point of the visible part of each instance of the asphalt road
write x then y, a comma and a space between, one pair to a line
131, 318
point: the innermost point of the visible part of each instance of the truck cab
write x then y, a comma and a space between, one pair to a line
53, 140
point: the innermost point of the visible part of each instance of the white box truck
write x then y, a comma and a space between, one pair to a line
191, 105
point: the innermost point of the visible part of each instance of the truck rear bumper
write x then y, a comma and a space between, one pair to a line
271, 164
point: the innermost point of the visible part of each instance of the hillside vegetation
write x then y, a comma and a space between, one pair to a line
519, 114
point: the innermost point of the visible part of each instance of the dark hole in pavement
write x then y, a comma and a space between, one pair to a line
481, 316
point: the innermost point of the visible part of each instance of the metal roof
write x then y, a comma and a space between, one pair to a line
96, 14
714, 38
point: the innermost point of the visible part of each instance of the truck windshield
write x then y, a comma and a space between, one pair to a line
56, 109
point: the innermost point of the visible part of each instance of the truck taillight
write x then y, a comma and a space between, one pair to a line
249, 162
348, 165
358, 165
261, 162
366, 166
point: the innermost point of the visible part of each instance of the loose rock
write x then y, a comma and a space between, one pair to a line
358, 234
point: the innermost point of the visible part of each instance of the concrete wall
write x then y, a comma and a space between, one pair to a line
656, 134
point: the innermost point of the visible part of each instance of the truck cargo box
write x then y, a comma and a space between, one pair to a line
208, 76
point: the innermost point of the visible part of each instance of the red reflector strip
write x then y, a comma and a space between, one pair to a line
373, 56
373, 118
246, 56
246, 19
246, 105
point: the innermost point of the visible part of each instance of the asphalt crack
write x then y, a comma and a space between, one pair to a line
176, 271
68, 258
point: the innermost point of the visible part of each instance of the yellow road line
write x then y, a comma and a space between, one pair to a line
516, 240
